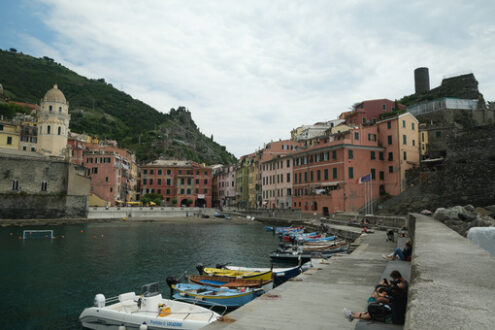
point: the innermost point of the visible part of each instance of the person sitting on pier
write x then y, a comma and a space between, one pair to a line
379, 308
403, 254
397, 291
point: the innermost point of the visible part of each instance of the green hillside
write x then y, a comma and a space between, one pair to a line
97, 108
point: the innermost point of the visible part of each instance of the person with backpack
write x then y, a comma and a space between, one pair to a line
402, 254
379, 308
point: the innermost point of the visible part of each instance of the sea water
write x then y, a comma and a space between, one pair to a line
46, 283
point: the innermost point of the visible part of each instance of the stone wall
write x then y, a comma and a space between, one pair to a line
31, 206
42, 188
466, 176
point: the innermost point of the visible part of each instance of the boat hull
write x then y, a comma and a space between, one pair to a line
214, 296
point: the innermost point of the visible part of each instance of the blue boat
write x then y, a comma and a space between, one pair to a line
211, 296
322, 239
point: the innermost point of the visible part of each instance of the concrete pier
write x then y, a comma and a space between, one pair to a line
316, 299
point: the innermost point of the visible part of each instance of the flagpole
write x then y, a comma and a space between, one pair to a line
371, 195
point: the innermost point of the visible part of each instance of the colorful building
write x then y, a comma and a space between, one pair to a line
9, 135
370, 111
113, 171
277, 182
226, 185
181, 183
245, 181
326, 176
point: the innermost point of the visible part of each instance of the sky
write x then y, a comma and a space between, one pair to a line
251, 71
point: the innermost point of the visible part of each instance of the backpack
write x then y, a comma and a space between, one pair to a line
379, 311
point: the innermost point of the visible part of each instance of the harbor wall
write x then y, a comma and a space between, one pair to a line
452, 283
42, 206
150, 213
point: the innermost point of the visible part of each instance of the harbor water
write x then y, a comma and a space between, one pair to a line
46, 283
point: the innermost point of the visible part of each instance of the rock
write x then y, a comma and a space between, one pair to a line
451, 213
466, 217
482, 211
469, 208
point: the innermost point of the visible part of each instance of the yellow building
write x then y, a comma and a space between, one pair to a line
246, 182
9, 135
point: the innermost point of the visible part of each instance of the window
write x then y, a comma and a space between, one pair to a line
389, 124
182, 191
372, 155
288, 163
404, 123
144, 181
205, 191
144, 171
414, 143
438, 134
334, 170
168, 182
289, 192
380, 155
371, 137
168, 172
159, 182
9, 139
151, 182
318, 175
356, 135
180, 171
44, 185
305, 176
412, 126
364, 120
48, 129
50, 108
350, 154
94, 170
189, 191
151, 172
351, 173
334, 154
288, 177
422, 136
59, 130
1, 127
168, 191
159, 172
15, 185
295, 177
197, 181
206, 181
373, 174
159, 191
390, 169
182, 181
189, 180
23, 148
111, 189
404, 139
33, 149
390, 156
405, 155
311, 176
382, 175
384, 107
389, 138
106, 179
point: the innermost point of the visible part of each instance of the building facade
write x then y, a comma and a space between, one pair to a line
181, 183
277, 183
226, 185
326, 176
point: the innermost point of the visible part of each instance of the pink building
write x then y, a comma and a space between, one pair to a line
277, 182
369, 112
326, 176
226, 185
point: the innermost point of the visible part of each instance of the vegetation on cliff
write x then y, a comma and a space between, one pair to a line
97, 108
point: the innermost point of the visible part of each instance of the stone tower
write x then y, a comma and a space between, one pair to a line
53, 123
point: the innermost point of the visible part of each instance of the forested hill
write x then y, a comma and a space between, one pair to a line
97, 108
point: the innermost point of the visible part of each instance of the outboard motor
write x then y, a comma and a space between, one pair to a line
200, 269
221, 266
99, 301
171, 281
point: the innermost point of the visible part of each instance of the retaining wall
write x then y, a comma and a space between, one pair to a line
145, 212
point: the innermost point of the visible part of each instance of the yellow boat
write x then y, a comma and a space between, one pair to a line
248, 275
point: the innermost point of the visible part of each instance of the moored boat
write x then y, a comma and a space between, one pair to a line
280, 275
231, 283
211, 296
149, 311
295, 256
248, 275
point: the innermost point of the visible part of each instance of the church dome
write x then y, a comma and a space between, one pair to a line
55, 95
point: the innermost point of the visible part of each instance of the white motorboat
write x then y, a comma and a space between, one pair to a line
146, 311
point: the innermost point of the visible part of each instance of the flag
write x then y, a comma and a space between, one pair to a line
365, 178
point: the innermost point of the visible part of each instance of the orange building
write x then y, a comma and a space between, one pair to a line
178, 180
326, 176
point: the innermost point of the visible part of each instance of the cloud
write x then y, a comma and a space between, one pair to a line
250, 72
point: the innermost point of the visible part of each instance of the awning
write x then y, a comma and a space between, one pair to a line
329, 184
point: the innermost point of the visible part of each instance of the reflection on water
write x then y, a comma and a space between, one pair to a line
47, 283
